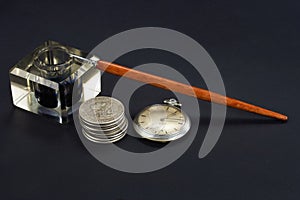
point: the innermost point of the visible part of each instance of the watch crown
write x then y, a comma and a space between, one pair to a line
172, 102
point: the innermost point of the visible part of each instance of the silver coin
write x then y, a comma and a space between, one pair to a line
101, 110
101, 133
105, 137
106, 127
113, 132
103, 120
103, 141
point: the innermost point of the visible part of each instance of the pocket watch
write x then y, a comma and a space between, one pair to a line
162, 122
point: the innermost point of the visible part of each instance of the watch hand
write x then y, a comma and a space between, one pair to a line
176, 119
174, 113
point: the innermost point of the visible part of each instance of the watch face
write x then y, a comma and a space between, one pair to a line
162, 122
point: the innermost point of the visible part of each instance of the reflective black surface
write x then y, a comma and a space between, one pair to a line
256, 46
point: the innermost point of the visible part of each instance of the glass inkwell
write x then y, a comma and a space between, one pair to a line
44, 80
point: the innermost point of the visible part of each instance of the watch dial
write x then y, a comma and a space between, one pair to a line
161, 119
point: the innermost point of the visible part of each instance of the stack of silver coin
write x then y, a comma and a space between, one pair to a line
103, 119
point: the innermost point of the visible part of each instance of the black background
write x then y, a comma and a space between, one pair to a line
256, 46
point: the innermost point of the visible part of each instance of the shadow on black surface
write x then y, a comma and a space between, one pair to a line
152, 143
238, 121
244, 121
139, 145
